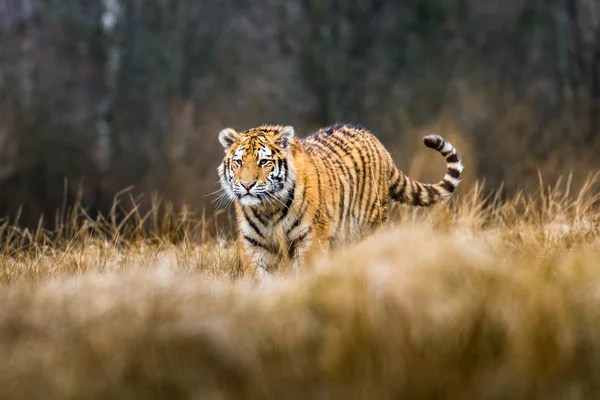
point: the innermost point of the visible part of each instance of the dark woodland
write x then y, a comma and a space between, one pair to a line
100, 96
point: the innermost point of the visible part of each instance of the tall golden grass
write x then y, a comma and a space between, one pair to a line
486, 298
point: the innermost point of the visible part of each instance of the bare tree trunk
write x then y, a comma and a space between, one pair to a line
562, 49
594, 132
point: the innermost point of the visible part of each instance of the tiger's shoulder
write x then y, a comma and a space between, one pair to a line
350, 130
337, 135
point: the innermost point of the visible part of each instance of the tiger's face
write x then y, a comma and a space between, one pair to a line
256, 168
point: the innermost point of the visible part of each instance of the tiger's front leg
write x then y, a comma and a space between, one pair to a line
256, 261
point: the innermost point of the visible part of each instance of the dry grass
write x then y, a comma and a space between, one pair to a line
486, 298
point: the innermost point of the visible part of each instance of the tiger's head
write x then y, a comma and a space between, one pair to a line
257, 167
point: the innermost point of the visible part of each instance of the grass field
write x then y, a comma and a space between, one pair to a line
484, 298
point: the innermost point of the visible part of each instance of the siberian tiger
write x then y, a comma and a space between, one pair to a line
296, 198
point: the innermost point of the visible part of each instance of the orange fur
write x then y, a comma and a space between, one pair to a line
295, 198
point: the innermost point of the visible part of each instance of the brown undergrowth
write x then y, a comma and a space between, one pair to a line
486, 298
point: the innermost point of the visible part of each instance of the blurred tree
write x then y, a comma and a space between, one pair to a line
114, 93
342, 45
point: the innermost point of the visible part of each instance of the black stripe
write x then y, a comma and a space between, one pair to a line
252, 224
294, 243
449, 186
357, 131
356, 187
408, 187
252, 241
453, 172
369, 181
394, 186
361, 183
303, 235
432, 194
256, 243
303, 208
230, 169
276, 154
288, 203
331, 129
378, 196
227, 169
452, 158
418, 195
259, 217
384, 194
291, 228
342, 210
381, 178
398, 194
319, 190
285, 167
402, 191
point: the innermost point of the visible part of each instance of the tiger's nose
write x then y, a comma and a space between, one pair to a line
248, 185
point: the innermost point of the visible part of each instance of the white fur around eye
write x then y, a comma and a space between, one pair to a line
239, 154
264, 152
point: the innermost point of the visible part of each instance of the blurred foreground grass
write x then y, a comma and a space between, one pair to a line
485, 298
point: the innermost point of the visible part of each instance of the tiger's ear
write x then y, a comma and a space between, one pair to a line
227, 137
284, 137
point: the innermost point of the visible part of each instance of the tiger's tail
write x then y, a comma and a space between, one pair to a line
407, 191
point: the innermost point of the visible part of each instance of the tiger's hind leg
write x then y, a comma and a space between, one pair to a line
319, 248
378, 218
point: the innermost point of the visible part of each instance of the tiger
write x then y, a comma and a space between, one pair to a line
298, 198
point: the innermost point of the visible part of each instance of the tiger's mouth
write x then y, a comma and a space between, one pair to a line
249, 196
249, 199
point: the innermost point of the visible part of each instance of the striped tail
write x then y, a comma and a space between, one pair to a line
405, 190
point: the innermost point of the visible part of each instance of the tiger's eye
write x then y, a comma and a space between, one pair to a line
238, 163
264, 163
